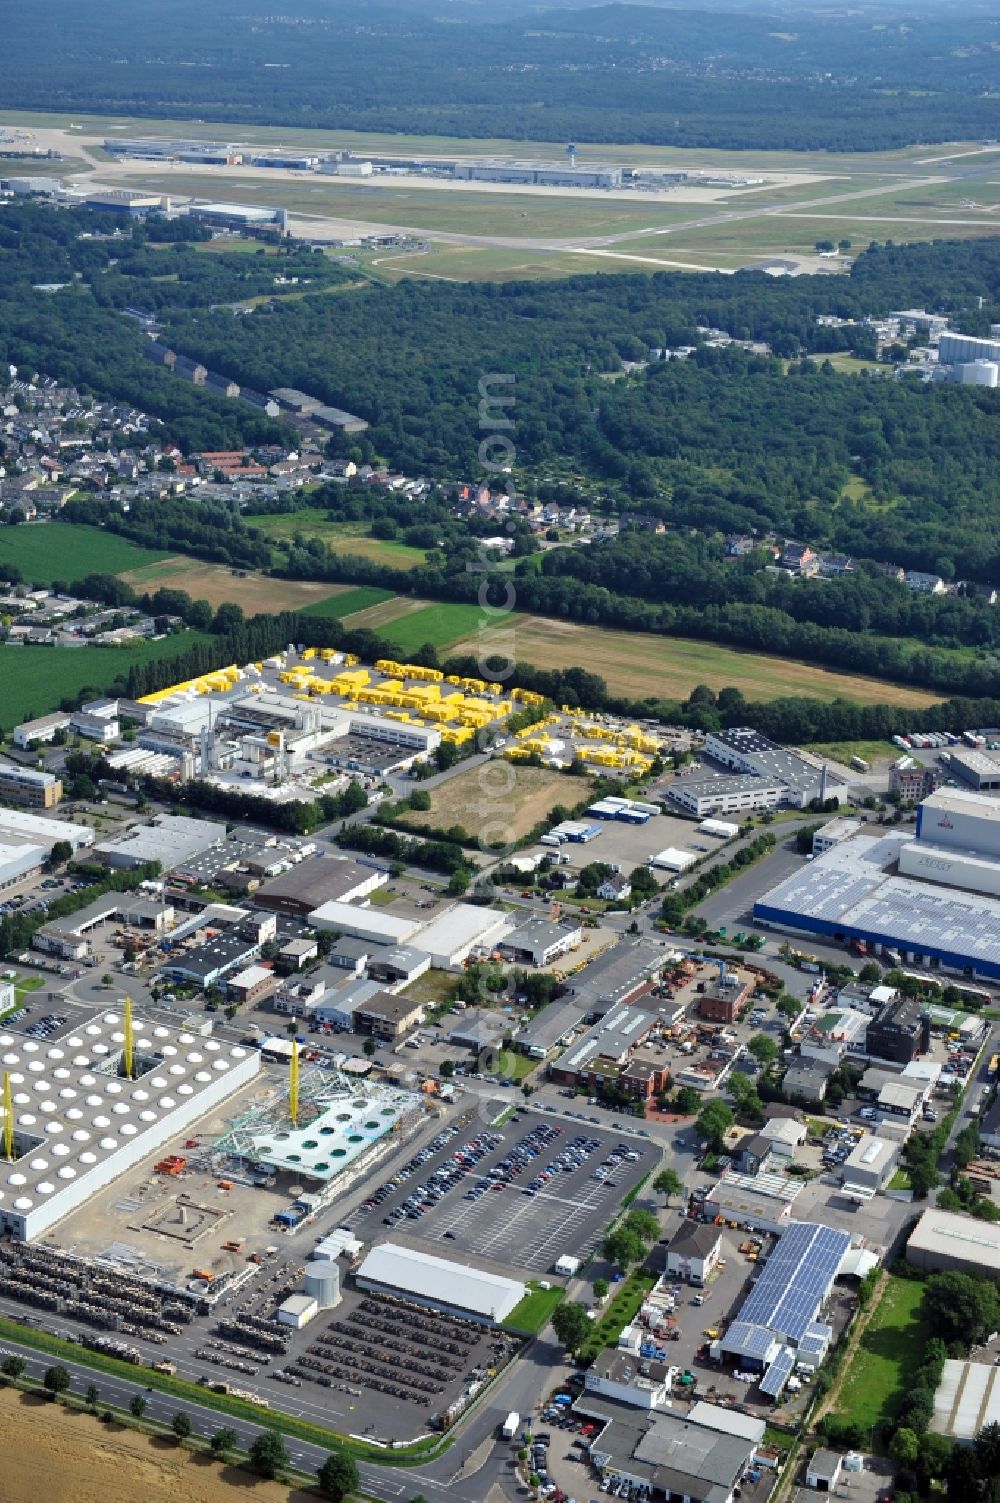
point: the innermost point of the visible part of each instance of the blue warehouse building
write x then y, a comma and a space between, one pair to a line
854, 892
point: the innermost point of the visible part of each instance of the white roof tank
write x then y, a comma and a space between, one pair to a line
322, 1283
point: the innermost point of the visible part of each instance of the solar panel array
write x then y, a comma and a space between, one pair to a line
796, 1279
748, 1340
778, 1373
812, 1347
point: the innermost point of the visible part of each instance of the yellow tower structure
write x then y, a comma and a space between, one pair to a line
8, 1119
129, 1057
293, 1086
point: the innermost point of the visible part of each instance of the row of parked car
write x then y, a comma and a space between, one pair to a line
410, 1167
444, 1178
531, 1147
45, 1026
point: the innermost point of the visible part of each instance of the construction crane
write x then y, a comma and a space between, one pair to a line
293, 1085
129, 1055
8, 1119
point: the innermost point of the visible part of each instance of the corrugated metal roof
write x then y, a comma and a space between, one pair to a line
411, 1272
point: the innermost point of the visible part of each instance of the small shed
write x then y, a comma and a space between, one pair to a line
824, 1469
297, 1311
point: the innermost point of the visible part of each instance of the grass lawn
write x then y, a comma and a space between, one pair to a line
890, 1349
535, 1310
843, 751
433, 988
339, 606
343, 537
382, 897
45, 551
622, 1308
25, 985
900, 1180
35, 679
443, 625
503, 800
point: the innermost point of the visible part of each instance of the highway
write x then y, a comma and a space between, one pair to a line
436, 1480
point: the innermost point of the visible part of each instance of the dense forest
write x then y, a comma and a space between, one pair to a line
409, 358
729, 439
79, 335
845, 80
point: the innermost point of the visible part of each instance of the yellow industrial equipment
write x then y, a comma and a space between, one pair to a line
129, 1056
293, 1085
8, 1119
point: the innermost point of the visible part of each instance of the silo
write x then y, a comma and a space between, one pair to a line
322, 1283
980, 373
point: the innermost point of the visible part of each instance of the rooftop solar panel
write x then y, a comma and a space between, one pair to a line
778, 1373
747, 1340
796, 1278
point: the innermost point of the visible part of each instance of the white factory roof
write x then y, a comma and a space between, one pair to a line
714, 1417
674, 859
357, 1117
453, 933
42, 831
962, 801
168, 838
76, 1117
967, 1399
487, 1295
950, 1235
366, 923
251, 975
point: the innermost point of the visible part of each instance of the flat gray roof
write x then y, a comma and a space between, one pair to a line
620, 1030
850, 887
955, 1236
617, 973
552, 1024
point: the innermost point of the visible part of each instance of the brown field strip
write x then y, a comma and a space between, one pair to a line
639, 664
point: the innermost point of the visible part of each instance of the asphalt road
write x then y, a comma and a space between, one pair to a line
436, 1480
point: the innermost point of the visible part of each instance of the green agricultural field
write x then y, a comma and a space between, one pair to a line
891, 1347
339, 606
442, 625
35, 679
45, 551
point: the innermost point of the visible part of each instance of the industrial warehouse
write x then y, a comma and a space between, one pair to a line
80, 1113
934, 896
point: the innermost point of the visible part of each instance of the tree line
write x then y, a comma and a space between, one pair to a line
606, 74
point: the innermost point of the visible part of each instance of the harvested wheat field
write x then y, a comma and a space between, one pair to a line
68, 1456
375, 616
257, 594
639, 664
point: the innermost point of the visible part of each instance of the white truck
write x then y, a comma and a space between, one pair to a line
511, 1425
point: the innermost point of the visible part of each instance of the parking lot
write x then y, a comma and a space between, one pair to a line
404, 1364
518, 1196
633, 845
